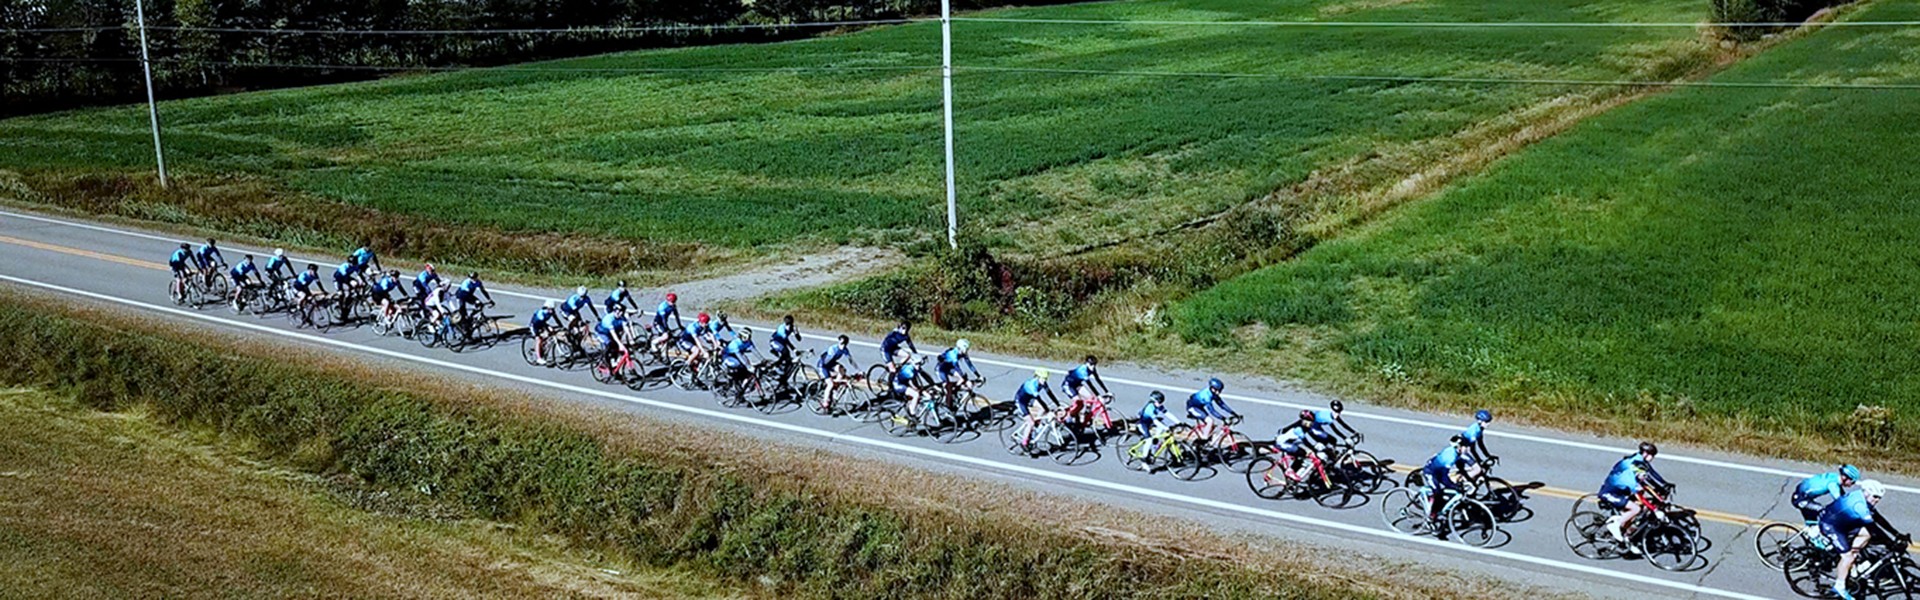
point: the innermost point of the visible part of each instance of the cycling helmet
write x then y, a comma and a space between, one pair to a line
672, 297
246, 257
746, 333
787, 319
209, 241
1093, 360
1649, 449
313, 267
580, 291
429, 267
184, 246
704, 318
1873, 488
1156, 397
395, 273
1457, 440
1216, 385
279, 252
843, 340
1040, 373
1850, 472
623, 283
473, 274
1336, 406
547, 304
1484, 416
1306, 415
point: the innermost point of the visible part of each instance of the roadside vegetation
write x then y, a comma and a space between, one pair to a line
776, 518
739, 162
1741, 257
116, 505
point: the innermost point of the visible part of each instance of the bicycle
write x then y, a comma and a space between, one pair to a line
403, 321
1225, 446
1508, 502
852, 397
1776, 540
1046, 435
1169, 448
735, 391
304, 312
249, 299
535, 349
933, 414
1664, 534
622, 369
1465, 519
1883, 570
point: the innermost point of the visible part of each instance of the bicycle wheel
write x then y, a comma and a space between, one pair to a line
1013, 439
1472, 523
1401, 511
602, 371
1668, 547
878, 378
1185, 461
1586, 535
1362, 472
178, 292
1069, 446
530, 350
1266, 478
1774, 541
1132, 450
771, 394
1237, 453
947, 425
1899, 581
295, 317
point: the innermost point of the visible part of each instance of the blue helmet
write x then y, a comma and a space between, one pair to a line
1484, 416
1850, 472
1215, 384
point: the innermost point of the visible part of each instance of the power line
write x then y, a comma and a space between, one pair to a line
800, 69
62, 29
1455, 80
1437, 24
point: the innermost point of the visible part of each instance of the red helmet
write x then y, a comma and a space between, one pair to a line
704, 318
671, 297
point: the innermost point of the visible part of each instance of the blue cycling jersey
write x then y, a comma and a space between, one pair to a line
1323, 421
386, 285
1206, 403
343, 273
1848, 514
1439, 469
954, 362
1473, 432
362, 257
660, 314
179, 258
607, 326
242, 270
574, 303
278, 263
1028, 392
890, 345
617, 297
831, 358
1824, 485
779, 339
470, 287
906, 375
425, 280
209, 255
736, 353
305, 281
1153, 413
1078, 375
541, 318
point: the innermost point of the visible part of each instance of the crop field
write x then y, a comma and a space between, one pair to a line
1714, 251
743, 157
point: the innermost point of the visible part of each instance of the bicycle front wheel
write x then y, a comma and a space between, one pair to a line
1362, 472
1669, 547
1586, 535
1186, 461
1472, 523
530, 350
1266, 478
1773, 542
1400, 509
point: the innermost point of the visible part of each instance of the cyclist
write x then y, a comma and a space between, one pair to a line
470, 293
437, 302
1476, 438
735, 356
345, 277
1439, 475
1298, 443
781, 343
1850, 522
1082, 383
304, 286
571, 308
908, 383
611, 331
694, 340
891, 345
955, 367
662, 332
1329, 428
1830, 485
543, 324
243, 275
620, 297
363, 258
1624, 483
207, 257
425, 282
721, 325
1029, 393
1154, 418
1208, 408
385, 291
831, 369
182, 262
279, 264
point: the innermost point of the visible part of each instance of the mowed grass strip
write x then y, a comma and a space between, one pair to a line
1750, 255
115, 505
744, 159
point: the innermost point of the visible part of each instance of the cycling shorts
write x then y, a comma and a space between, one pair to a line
1841, 543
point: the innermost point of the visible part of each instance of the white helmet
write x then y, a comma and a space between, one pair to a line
582, 290
1873, 488
962, 345
279, 252
548, 304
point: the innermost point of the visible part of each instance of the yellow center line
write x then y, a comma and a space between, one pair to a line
1710, 515
86, 253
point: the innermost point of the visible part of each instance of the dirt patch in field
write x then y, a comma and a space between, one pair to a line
786, 274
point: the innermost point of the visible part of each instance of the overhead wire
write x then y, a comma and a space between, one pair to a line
1446, 79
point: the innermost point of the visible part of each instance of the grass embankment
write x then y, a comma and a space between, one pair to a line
778, 518
615, 163
115, 505
1728, 265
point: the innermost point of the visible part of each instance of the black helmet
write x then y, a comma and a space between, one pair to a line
1306, 415
1156, 396
1093, 360
473, 274
787, 319
1457, 440
623, 283
184, 246
843, 337
1336, 406
1649, 449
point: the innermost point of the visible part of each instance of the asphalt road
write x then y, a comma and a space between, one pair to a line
125, 268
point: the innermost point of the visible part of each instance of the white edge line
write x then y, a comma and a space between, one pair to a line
1141, 384
968, 460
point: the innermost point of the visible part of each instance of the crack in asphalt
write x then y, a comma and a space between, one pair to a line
1765, 515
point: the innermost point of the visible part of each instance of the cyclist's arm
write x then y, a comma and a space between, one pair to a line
967, 361
1050, 401
910, 346
1100, 382
1341, 424
1884, 527
1220, 409
1647, 471
1480, 449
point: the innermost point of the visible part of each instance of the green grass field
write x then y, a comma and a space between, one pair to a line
118, 505
746, 160
1737, 253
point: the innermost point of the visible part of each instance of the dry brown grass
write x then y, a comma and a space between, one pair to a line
108, 505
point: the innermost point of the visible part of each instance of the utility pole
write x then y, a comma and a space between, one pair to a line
946, 105
153, 112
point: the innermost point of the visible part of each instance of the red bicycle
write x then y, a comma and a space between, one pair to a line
621, 370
